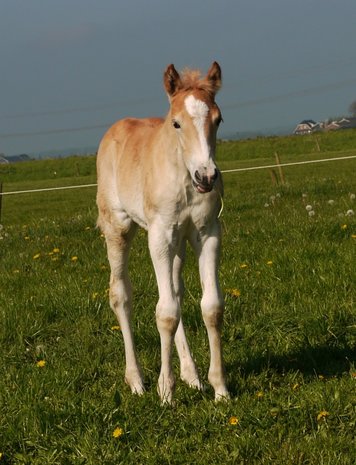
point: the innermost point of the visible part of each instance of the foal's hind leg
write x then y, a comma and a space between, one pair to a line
188, 371
118, 244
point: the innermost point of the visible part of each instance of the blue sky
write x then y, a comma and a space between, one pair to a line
70, 68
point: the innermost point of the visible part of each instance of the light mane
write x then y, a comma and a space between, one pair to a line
192, 80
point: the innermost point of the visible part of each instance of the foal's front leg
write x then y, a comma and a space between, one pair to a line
162, 249
207, 248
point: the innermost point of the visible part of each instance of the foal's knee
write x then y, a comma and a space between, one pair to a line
212, 312
120, 296
167, 316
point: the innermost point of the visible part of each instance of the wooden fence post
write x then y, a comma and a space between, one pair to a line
274, 178
317, 143
280, 170
0, 199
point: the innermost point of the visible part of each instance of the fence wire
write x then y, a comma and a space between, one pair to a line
234, 170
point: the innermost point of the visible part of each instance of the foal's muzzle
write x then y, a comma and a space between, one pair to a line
204, 183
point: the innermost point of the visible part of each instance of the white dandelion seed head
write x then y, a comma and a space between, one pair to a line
311, 213
272, 198
266, 205
304, 196
309, 208
350, 213
352, 196
331, 202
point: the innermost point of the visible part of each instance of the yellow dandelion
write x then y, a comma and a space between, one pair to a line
243, 265
26, 238
35, 257
41, 363
269, 262
353, 236
234, 292
55, 250
322, 415
95, 295
343, 227
74, 258
115, 328
16, 271
259, 394
118, 432
233, 421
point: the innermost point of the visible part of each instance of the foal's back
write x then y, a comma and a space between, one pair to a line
124, 158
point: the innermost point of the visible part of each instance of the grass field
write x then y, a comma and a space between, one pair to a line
288, 272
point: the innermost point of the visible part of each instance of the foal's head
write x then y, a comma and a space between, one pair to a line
194, 117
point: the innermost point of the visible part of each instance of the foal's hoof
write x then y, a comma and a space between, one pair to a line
136, 386
197, 384
166, 390
194, 383
139, 389
222, 396
166, 398
189, 374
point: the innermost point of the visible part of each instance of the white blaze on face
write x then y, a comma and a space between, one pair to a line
199, 110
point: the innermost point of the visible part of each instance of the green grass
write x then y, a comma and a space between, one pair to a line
289, 338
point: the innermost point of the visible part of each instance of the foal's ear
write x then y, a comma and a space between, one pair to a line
214, 76
172, 81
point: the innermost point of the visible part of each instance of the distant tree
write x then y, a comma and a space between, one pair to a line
352, 108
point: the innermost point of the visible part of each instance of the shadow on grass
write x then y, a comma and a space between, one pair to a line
327, 361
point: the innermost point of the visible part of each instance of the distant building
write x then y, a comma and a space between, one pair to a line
306, 126
3, 159
15, 158
331, 126
347, 123
342, 123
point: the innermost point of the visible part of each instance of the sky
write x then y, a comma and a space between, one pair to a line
70, 68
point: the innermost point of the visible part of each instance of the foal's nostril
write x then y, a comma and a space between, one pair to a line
204, 179
197, 176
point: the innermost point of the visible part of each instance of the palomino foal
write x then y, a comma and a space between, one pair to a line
161, 174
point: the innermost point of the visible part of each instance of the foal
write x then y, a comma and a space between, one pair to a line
160, 174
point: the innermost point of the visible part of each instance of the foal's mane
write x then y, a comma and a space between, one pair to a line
192, 80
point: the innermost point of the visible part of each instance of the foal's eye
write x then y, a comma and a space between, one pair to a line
219, 120
176, 125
